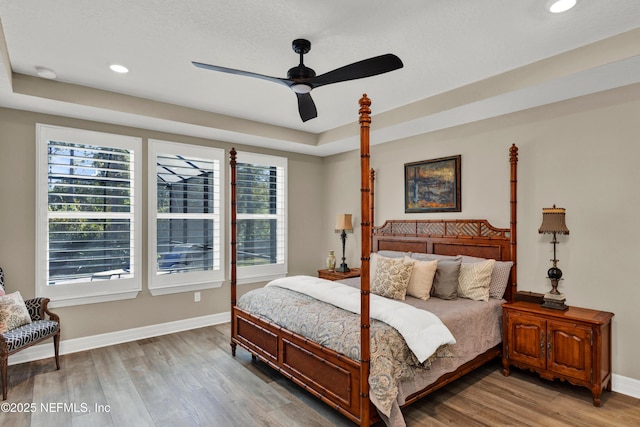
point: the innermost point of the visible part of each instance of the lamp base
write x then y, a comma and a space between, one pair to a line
343, 268
554, 301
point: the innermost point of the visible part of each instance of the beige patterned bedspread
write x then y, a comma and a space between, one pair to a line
391, 359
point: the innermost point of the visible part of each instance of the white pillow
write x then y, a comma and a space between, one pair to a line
474, 280
421, 278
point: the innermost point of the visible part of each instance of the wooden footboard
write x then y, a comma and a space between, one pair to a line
326, 374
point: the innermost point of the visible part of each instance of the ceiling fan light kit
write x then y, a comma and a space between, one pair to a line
302, 79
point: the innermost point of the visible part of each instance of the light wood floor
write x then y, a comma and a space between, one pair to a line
191, 379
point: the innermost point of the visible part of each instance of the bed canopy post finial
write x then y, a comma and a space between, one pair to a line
513, 160
365, 195
232, 164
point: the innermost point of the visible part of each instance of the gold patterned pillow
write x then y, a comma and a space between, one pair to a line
474, 280
13, 312
392, 278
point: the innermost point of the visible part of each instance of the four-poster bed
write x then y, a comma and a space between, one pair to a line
343, 381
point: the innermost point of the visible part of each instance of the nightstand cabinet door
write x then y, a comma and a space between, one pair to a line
569, 349
527, 339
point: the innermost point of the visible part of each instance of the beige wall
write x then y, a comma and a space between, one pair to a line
17, 222
581, 155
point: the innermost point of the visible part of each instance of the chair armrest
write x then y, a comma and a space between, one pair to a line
37, 308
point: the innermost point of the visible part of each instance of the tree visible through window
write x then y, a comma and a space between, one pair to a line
89, 210
88, 218
261, 214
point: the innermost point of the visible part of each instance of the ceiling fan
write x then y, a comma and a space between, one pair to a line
303, 79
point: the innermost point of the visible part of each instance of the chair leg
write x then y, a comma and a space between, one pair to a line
4, 362
56, 348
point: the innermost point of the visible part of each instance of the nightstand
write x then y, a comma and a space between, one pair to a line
572, 345
335, 275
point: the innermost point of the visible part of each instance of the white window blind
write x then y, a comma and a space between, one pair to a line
185, 212
261, 217
87, 209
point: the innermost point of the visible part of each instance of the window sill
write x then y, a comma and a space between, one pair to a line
175, 289
92, 299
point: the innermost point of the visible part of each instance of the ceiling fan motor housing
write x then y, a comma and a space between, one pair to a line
300, 72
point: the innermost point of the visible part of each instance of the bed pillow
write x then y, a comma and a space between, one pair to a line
392, 278
428, 257
373, 260
392, 254
13, 312
474, 280
421, 279
499, 277
445, 282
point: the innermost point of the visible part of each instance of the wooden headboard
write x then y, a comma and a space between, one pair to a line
471, 237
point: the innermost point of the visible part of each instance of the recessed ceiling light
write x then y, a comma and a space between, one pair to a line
559, 6
119, 68
46, 73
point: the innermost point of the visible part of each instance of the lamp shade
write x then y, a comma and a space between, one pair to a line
343, 222
553, 221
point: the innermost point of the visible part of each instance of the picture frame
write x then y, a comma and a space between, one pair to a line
433, 185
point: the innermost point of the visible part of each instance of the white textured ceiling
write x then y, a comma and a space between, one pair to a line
463, 60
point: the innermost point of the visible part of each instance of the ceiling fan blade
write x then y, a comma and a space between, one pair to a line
241, 73
365, 68
306, 107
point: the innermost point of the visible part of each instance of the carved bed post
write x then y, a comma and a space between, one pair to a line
232, 163
372, 182
365, 206
513, 159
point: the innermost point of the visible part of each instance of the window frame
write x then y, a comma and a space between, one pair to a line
195, 280
261, 273
86, 291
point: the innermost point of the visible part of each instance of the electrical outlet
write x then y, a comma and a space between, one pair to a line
196, 296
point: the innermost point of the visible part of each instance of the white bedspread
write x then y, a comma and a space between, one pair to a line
423, 331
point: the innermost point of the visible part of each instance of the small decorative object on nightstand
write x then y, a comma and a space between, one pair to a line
572, 345
331, 261
343, 226
553, 223
336, 275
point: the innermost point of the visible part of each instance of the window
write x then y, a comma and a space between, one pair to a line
185, 217
88, 219
261, 217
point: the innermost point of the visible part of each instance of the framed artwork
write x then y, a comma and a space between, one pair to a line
432, 185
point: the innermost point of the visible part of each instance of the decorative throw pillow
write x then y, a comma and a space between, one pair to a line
499, 277
474, 280
445, 282
13, 312
421, 278
392, 278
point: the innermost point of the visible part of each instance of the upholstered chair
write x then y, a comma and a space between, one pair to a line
23, 324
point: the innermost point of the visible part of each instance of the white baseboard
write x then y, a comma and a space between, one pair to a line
45, 350
625, 385
619, 384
